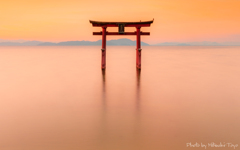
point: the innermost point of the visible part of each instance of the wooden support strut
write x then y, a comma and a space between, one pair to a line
125, 33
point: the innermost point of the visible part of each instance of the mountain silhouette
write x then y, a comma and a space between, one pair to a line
119, 42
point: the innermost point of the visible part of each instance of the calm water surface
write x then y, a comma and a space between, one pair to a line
58, 98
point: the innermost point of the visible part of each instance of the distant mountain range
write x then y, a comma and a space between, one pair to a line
204, 43
119, 42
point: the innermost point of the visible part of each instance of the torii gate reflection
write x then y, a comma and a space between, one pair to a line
121, 26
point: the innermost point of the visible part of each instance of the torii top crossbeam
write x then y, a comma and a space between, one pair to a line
121, 26
115, 24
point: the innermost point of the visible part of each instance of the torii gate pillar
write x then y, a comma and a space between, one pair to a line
104, 47
121, 26
138, 50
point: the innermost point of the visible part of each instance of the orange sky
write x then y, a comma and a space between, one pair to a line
174, 20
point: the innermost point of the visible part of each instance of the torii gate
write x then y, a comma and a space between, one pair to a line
121, 26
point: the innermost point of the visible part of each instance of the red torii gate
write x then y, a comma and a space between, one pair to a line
121, 26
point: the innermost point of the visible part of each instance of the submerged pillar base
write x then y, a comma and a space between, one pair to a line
103, 58
138, 51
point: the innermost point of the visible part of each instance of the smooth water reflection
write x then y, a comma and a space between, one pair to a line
59, 98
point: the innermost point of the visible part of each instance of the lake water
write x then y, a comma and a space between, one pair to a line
58, 98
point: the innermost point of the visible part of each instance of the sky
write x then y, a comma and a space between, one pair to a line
68, 20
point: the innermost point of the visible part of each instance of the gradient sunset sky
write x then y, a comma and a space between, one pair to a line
68, 20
